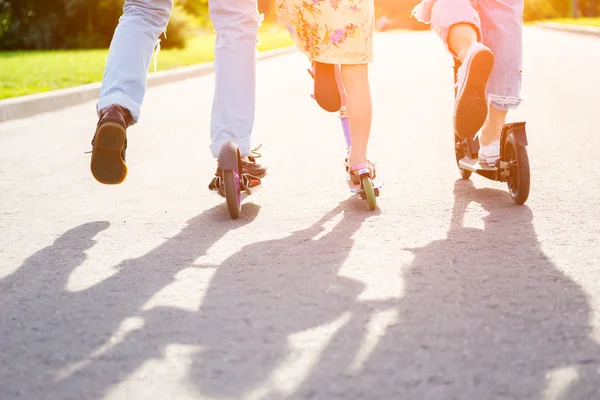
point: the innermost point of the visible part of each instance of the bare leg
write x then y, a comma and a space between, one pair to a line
492, 128
460, 37
356, 82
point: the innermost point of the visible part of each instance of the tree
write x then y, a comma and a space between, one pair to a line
67, 24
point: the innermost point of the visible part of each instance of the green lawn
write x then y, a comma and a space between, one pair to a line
578, 21
28, 72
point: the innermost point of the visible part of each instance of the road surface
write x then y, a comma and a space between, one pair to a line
449, 291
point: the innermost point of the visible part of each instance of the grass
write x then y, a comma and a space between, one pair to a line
578, 21
29, 72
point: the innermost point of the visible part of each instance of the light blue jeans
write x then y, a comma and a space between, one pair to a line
236, 25
499, 24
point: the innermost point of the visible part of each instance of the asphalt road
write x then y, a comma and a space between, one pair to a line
449, 291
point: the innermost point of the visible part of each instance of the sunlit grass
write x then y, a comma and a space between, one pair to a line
29, 72
595, 22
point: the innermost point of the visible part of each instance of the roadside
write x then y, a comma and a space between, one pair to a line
29, 72
173, 66
595, 22
584, 26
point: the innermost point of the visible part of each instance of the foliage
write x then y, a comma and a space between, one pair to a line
536, 10
180, 28
29, 72
400, 10
68, 24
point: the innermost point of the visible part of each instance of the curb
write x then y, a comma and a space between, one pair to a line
582, 30
28, 106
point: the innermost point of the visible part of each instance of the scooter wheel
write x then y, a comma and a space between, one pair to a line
518, 179
231, 181
464, 173
230, 164
367, 186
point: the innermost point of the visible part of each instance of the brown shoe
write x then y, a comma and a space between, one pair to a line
109, 145
251, 166
325, 90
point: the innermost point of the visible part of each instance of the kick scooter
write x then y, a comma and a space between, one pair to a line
233, 185
368, 189
513, 165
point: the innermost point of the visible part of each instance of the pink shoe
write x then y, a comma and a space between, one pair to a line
362, 168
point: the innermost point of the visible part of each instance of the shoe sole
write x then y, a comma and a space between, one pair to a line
327, 93
107, 165
219, 173
471, 106
258, 176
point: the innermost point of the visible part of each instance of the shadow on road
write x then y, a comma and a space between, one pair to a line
485, 315
60, 344
56, 344
267, 292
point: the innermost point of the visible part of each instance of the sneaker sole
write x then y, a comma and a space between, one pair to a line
471, 107
107, 165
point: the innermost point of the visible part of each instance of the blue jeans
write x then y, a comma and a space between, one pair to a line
236, 25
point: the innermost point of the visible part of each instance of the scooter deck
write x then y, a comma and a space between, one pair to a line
473, 165
357, 189
251, 186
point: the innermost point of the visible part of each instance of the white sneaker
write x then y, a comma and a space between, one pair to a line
490, 153
470, 107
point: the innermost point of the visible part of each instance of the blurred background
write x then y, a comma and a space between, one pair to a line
76, 24
53, 44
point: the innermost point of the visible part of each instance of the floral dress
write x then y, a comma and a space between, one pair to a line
330, 31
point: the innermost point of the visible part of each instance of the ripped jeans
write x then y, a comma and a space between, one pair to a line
499, 25
236, 24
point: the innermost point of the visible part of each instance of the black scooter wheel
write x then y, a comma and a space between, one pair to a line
459, 154
518, 179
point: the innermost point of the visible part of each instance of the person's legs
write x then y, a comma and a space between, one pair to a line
124, 81
124, 84
236, 24
458, 25
502, 27
359, 107
460, 37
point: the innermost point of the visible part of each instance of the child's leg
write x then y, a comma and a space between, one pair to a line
458, 25
502, 28
358, 92
460, 37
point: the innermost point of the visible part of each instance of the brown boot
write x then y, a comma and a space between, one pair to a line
109, 145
